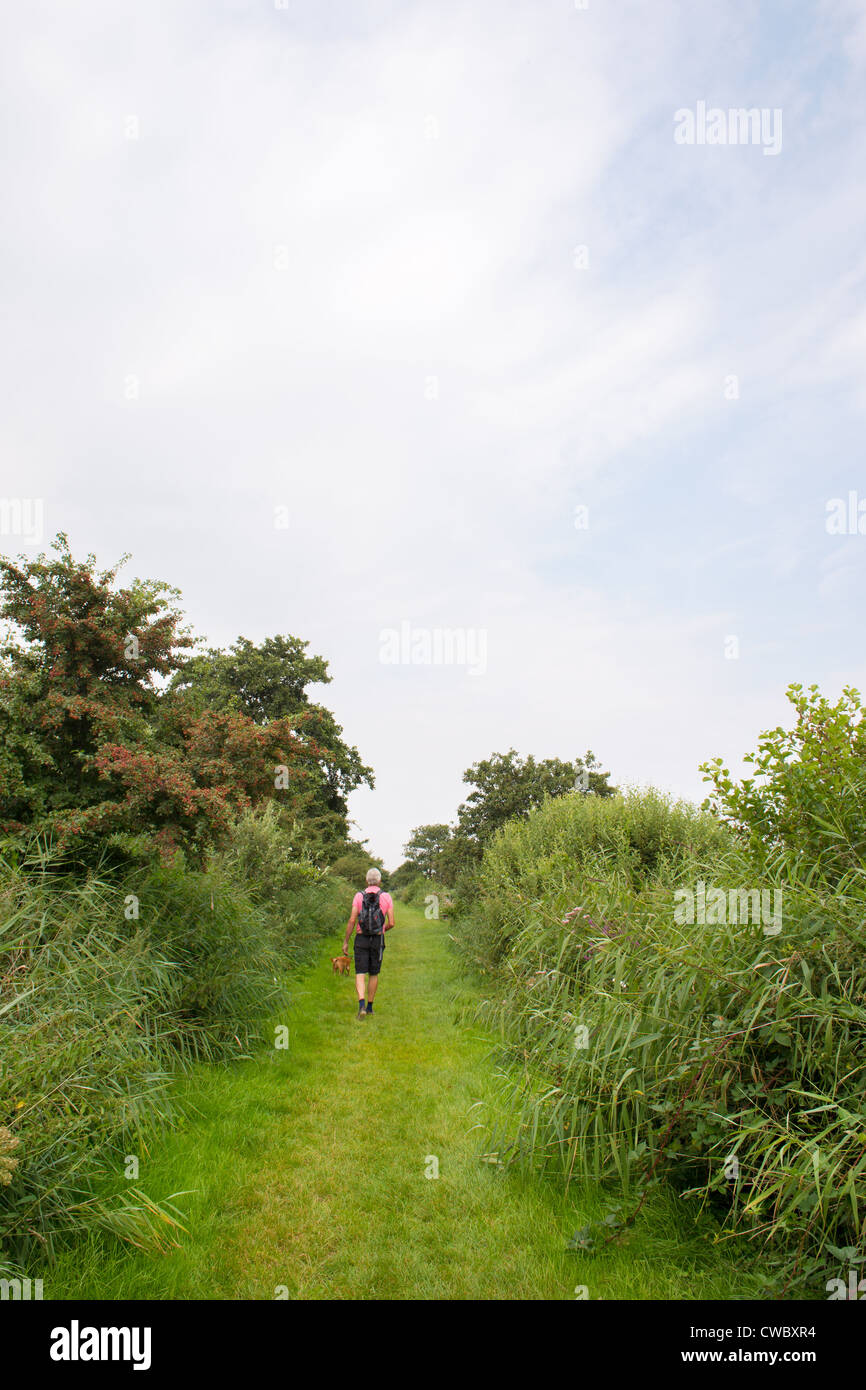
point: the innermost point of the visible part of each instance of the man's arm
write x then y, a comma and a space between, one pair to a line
350, 928
389, 918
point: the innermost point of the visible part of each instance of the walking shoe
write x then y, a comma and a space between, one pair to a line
362, 1012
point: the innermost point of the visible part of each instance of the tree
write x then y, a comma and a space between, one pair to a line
508, 786
93, 754
459, 856
265, 682
425, 847
402, 876
81, 666
354, 862
188, 792
269, 682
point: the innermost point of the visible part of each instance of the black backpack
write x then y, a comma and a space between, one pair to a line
371, 918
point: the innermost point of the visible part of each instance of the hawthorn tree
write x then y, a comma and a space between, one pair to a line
92, 754
81, 666
268, 682
190, 791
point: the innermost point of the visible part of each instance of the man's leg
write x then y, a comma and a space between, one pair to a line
374, 979
361, 987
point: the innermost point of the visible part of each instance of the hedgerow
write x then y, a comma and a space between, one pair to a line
724, 1055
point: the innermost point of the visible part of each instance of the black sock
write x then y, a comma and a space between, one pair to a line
369, 1007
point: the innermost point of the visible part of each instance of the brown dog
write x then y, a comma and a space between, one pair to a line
340, 965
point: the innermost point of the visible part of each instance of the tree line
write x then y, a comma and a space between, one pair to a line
505, 787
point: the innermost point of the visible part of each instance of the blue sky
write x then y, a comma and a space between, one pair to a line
324, 258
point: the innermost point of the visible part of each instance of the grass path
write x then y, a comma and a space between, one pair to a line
308, 1169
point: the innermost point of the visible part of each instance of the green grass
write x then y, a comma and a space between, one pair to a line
305, 1168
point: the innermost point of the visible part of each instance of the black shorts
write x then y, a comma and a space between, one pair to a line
368, 954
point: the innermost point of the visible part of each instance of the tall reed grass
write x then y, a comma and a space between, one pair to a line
725, 1057
109, 986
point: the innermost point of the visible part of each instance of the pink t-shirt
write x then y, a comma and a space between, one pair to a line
385, 902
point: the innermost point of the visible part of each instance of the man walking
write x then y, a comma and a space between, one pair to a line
372, 915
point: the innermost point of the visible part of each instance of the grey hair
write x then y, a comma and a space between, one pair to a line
373, 876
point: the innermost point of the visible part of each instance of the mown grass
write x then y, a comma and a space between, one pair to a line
304, 1170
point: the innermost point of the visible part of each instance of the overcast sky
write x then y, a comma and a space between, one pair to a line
335, 314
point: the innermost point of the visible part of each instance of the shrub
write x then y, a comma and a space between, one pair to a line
422, 889
225, 950
264, 857
808, 794
636, 838
353, 865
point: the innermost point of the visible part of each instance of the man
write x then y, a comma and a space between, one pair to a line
369, 943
